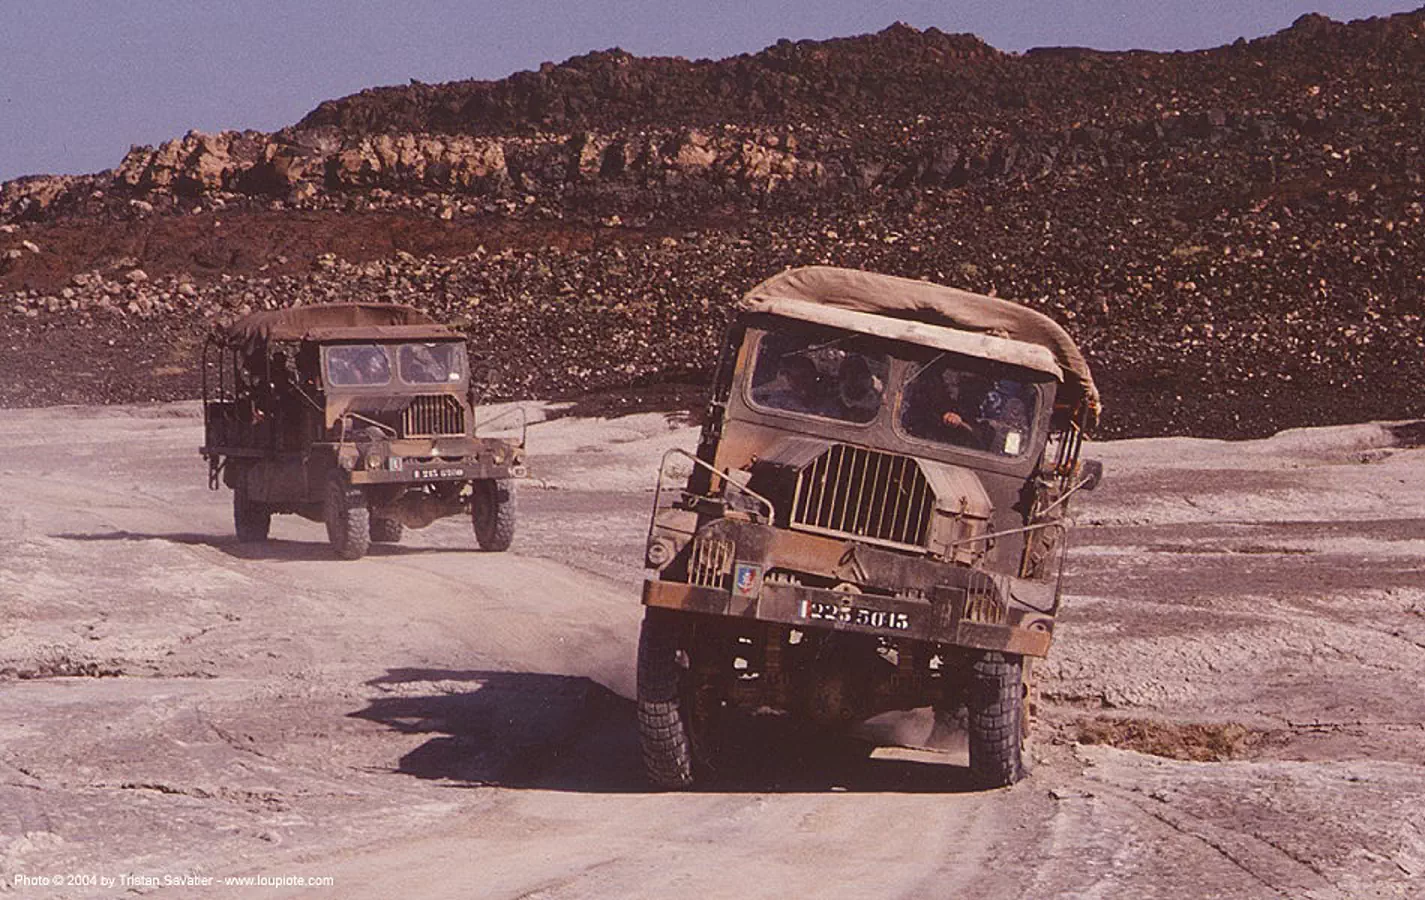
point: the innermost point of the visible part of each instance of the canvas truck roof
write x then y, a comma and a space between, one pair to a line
334, 321
432, 332
928, 314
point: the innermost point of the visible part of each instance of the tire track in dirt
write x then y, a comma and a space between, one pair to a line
1267, 863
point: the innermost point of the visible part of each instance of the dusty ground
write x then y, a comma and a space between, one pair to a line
1234, 706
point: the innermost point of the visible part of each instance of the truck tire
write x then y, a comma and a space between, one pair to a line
251, 520
995, 698
662, 722
386, 531
492, 513
347, 518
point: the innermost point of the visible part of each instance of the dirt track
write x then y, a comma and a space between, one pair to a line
438, 722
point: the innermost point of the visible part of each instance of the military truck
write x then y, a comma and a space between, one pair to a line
875, 519
358, 415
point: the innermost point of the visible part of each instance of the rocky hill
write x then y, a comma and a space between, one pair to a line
1234, 234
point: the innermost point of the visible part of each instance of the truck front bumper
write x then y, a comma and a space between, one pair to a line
426, 461
942, 619
420, 472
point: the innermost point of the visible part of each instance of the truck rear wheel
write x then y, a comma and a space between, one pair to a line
386, 531
347, 518
663, 710
251, 520
492, 513
996, 728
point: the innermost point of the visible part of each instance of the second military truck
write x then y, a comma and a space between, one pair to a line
358, 415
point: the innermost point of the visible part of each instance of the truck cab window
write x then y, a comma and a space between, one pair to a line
837, 379
981, 409
358, 365
430, 363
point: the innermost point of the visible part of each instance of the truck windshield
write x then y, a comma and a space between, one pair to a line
837, 378
441, 363
358, 364
979, 407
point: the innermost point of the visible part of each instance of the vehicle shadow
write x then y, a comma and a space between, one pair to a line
567, 733
278, 549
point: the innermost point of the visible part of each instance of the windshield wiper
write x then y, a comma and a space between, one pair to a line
916, 374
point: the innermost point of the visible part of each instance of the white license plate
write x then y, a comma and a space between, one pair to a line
439, 473
851, 614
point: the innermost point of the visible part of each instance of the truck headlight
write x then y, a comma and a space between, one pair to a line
660, 551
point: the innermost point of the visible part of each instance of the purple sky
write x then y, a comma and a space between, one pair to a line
81, 81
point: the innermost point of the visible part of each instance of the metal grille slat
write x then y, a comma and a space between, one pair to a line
866, 493
828, 486
879, 489
898, 511
920, 508
850, 463
818, 482
902, 518
860, 468
433, 414
835, 486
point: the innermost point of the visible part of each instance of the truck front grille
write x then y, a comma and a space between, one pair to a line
433, 414
710, 563
850, 490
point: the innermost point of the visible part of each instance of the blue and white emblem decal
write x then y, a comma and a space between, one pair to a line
747, 579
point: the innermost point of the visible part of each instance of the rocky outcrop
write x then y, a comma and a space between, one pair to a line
612, 89
320, 168
460, 163
192, 165
36, 197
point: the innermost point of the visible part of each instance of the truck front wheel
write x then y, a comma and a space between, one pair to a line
996, 727
348, 519
492, 513
663, 710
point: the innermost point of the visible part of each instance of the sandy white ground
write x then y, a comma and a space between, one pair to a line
432, 721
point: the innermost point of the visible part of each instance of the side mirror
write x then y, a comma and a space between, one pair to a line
1091, 471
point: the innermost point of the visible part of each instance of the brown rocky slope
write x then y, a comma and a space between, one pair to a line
1234, 234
